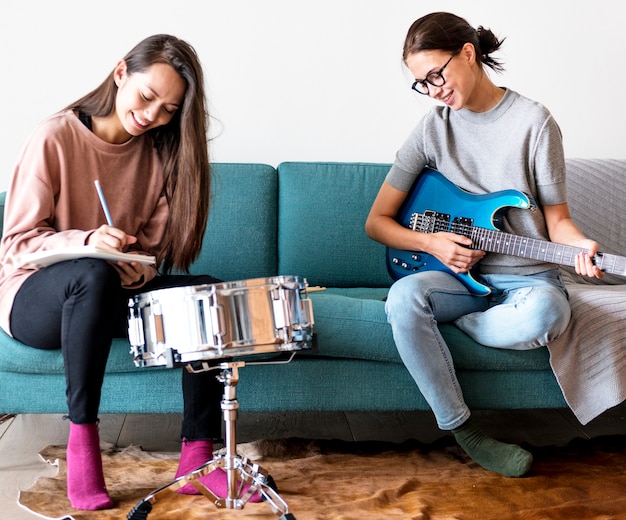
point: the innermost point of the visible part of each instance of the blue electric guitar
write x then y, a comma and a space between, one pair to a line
435, 204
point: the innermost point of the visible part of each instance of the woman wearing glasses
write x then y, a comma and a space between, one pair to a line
482, 138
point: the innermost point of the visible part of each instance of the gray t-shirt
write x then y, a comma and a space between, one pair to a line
516, 145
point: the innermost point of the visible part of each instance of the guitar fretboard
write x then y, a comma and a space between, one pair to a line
504, 243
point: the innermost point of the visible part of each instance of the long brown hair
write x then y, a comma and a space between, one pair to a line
449, 32
182, 145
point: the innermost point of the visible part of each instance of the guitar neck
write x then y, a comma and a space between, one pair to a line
494, 241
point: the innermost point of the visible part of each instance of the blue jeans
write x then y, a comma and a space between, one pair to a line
523, 312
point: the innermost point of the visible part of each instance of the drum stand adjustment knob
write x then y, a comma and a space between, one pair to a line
239, 471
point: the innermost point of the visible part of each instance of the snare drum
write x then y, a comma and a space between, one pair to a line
167, 327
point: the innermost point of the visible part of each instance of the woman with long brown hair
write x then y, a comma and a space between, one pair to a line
142, 134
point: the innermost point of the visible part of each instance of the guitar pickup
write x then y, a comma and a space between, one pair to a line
462, 226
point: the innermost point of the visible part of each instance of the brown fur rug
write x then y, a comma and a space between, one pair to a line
333, 480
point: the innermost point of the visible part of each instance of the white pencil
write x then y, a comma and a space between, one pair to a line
103, 203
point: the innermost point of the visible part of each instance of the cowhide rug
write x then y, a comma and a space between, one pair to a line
334, 480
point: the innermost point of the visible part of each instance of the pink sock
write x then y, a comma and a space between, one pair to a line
85, 479
195, 454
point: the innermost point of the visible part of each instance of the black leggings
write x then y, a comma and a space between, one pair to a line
79, 306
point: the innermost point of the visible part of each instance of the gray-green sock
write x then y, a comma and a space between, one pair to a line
507, 459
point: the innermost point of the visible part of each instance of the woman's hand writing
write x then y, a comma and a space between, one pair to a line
131, 273
111, 237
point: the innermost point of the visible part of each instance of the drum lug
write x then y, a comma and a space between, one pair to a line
135, 331
136, 338
217, 323
306, 308
280, 311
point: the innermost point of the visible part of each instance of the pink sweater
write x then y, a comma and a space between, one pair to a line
52, 201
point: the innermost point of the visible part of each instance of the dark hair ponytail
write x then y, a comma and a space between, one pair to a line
449, 32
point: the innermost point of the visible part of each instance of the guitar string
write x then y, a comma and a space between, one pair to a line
502, 242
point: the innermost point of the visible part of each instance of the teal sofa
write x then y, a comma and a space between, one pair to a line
304, 219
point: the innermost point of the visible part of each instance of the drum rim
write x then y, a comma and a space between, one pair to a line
212, 288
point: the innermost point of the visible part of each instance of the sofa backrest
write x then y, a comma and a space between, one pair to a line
307, 219
321, 234
323, 207
240, 238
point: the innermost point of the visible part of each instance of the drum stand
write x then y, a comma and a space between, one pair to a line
239, 471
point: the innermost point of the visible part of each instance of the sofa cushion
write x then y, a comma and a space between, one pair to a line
19, 358
351, 323
326, 242
240, 238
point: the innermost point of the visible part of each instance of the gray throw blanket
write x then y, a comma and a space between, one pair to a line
589, 359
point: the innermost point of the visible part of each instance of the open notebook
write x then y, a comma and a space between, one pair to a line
52, 256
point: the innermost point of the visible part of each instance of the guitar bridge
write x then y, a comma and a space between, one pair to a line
430, 221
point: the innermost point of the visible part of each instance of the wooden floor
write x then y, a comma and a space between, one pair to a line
22, 436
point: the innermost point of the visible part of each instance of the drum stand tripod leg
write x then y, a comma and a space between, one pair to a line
239, 471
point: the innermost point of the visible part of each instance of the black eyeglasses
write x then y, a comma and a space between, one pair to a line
435, 79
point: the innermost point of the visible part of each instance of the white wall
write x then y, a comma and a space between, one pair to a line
321, 80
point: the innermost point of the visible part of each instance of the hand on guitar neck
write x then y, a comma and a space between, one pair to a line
444, 246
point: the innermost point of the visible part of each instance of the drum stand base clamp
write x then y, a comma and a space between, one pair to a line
239, 471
